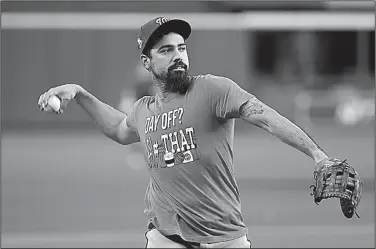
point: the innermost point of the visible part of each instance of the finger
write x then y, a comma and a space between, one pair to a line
47, 95
41, 99
64, 103
47, 108
43, 104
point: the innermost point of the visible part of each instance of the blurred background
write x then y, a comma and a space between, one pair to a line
64, 184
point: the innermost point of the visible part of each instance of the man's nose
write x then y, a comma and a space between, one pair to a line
177, 60
177, 56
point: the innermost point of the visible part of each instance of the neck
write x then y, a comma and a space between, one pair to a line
161, 87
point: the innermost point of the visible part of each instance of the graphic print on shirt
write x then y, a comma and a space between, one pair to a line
177, 146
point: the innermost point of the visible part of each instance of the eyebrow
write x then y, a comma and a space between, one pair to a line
168, 46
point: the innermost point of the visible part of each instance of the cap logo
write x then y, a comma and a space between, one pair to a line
139, 41
161, 20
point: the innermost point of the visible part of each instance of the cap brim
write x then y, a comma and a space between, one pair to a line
178, 26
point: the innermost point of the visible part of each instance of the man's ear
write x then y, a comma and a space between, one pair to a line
145, 60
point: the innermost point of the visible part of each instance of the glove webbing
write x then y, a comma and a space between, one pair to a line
335, 185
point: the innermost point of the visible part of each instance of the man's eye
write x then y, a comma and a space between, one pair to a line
166, 50
182, 48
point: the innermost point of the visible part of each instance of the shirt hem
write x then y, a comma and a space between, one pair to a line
209, 239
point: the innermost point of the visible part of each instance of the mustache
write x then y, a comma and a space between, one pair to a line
178, 64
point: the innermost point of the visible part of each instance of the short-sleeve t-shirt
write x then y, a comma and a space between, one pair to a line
188, 145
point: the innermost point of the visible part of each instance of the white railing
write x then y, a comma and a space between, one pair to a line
266, 20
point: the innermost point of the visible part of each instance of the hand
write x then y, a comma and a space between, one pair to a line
65, 92
334, 178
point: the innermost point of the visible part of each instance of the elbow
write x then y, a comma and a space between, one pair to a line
113, 135
275, 122
118, 138
126, 141
125, 136
267, 120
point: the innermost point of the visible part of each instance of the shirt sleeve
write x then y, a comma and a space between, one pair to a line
132, 117
225, 96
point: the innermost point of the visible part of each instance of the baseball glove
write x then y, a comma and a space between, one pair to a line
336, 179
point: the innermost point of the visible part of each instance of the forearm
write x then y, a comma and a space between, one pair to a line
105, 117
294, 136
261, 115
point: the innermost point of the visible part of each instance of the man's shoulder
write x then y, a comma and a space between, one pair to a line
212, 83
209, 77
211, 80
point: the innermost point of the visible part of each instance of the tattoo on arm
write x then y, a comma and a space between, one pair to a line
261, 115
252, 107
294, 136
312, 140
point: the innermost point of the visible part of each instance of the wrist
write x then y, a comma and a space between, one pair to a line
80, 92
318, 155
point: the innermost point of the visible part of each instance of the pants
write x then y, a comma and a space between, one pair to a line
154, 239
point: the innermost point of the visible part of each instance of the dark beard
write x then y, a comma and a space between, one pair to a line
177, 82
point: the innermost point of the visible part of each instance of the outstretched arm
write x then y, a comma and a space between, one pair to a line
257, 113
110, 121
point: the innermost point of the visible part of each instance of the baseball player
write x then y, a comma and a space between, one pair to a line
187, 132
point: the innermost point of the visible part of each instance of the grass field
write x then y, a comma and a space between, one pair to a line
75, 189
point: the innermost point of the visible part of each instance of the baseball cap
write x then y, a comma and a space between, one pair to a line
162, 24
